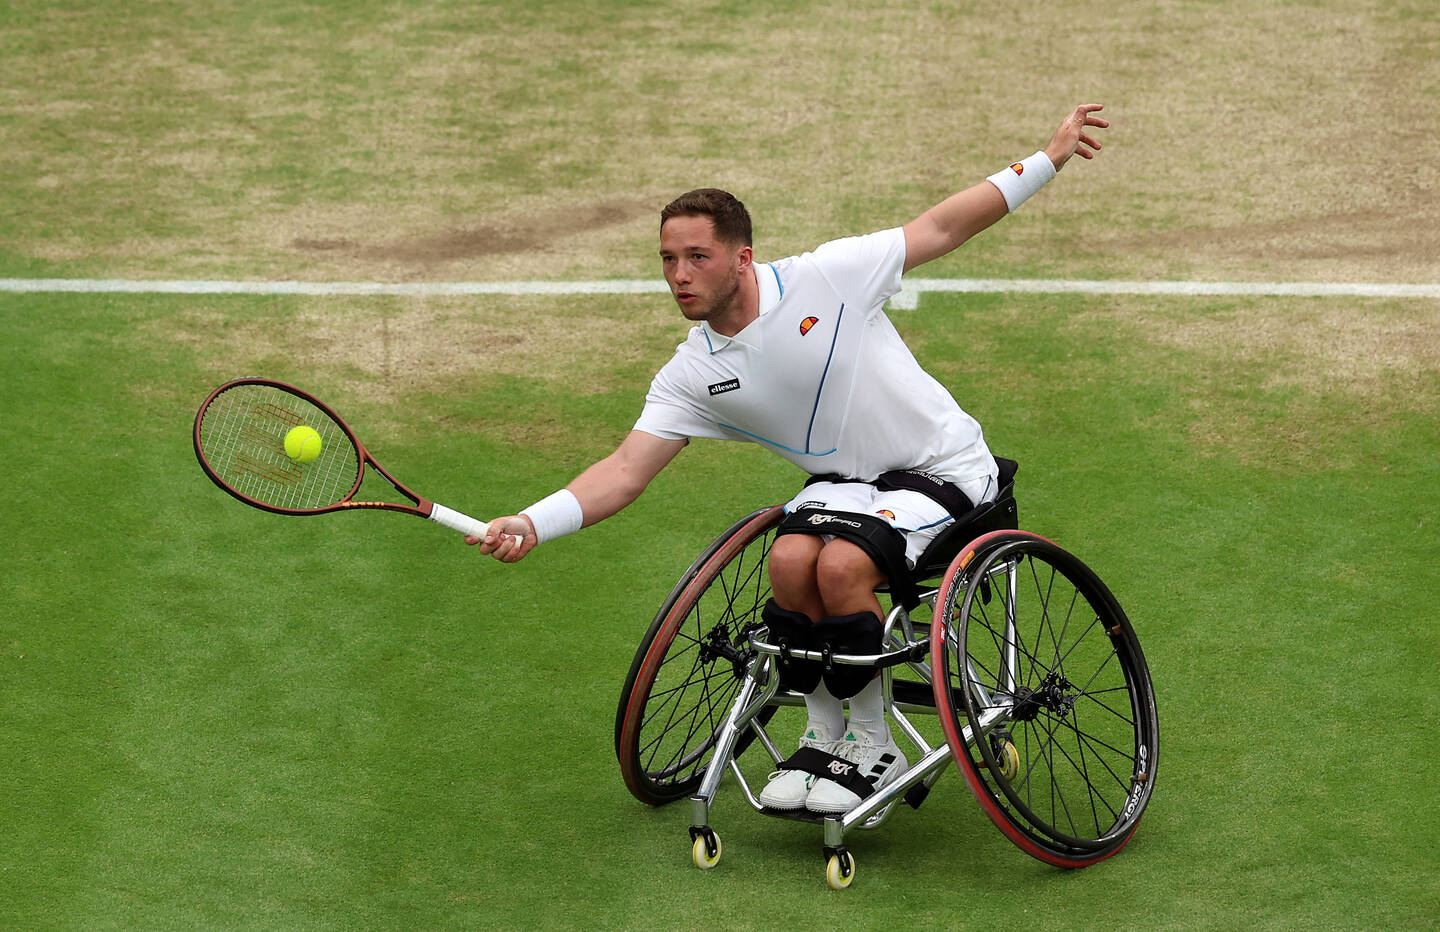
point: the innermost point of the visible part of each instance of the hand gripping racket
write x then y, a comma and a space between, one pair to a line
240, 434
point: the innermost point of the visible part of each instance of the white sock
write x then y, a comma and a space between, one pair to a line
826, 715
867, 714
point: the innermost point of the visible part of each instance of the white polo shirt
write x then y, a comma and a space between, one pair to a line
821, 376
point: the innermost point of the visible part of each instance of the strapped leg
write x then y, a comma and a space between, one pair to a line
788, 787
792, 630
861, 633
881, 542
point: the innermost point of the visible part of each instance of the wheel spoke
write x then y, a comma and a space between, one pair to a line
705, 715
684, 673
1076, 707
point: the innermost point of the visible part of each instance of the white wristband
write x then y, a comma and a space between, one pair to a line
555, 516
1023, 179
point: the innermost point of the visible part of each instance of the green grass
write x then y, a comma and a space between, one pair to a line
220, 717
213, 717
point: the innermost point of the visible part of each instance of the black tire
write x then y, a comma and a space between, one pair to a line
685, 674
1078, 710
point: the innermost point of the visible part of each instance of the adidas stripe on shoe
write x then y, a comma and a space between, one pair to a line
880, 764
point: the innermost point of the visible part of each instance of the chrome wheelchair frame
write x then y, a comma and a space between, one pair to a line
1032, 667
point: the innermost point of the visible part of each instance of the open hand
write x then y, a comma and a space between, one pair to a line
1072, 139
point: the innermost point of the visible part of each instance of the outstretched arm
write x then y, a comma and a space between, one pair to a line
942, 228
601, 490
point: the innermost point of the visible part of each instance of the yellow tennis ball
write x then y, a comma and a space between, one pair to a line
302, 444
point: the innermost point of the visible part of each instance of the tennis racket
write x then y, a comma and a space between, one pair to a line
240, 433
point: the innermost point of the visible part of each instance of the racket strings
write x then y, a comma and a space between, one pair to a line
242, 436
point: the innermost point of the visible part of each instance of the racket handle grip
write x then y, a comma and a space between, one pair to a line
455, 521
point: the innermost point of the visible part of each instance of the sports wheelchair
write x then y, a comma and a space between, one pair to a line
1042, 693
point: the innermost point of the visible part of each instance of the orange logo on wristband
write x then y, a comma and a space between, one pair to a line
1018, 169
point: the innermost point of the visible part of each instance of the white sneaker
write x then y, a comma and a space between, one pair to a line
788, 789
881, 764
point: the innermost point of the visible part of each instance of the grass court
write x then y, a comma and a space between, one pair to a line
213, 717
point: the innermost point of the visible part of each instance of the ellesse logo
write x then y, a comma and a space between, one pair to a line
1017, 168
721, 387
807, 323
887, 514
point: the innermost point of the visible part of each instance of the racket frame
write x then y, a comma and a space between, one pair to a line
419, 506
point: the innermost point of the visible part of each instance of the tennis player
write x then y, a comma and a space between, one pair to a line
797, 355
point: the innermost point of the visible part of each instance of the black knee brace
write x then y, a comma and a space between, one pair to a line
861, 633
792, 630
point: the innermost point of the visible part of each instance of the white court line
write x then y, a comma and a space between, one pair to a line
131, 286
907, 299
911, 289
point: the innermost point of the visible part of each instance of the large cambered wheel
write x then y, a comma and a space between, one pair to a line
690, 664
1044, 697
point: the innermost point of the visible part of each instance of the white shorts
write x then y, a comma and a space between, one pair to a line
919, 517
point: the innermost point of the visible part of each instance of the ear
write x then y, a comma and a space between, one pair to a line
744, 258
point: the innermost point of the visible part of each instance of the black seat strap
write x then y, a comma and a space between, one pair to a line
944, 493
970, 521
882, 542
827, 765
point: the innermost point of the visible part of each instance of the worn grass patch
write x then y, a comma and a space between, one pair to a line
444, 140
505, 371
391, 348
1274, 383
1360, 348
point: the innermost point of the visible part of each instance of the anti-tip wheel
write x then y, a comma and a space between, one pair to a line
840, 870
700, 851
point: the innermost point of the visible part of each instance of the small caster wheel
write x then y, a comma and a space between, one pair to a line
705, 851
840, 870
1009, 761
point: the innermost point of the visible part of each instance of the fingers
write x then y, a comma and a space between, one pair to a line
510, 549
1072, 139
507, 548
1084, 116
508, 539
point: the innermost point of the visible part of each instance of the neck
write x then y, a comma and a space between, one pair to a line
743, 307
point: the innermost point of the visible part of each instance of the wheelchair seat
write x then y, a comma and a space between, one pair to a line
999, 514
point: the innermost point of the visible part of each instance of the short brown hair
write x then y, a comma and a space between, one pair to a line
731, 219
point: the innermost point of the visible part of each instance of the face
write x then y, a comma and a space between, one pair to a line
703, 273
